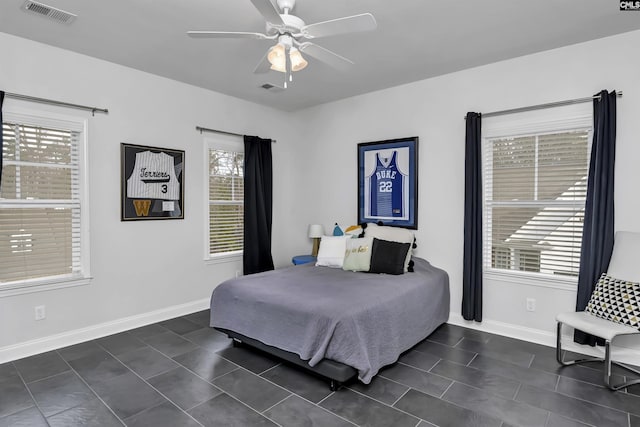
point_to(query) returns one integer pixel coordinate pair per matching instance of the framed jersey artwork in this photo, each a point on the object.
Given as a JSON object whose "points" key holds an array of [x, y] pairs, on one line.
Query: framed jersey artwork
{"points": [[388, 182], [152, 183]]}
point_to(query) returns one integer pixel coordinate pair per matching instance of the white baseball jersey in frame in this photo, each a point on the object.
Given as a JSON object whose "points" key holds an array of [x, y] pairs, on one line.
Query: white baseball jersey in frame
{"points": [[153, 177]]}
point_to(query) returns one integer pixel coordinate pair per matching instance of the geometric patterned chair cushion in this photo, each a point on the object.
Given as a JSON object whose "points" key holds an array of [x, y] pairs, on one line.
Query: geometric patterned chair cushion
{"points": [[616, 300]]}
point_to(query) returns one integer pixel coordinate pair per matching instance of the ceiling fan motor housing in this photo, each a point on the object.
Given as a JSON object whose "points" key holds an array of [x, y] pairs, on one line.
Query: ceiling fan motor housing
{"points": [[286, 4], [292, 25]]}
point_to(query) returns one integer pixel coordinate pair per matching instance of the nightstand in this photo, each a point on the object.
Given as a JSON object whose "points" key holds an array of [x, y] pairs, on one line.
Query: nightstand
{"points": [[303, 259]]}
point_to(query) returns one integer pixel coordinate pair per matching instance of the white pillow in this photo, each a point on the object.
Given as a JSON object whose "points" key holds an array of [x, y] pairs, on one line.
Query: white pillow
{"points": [[392, 234], [331, 252], [357, 256]]}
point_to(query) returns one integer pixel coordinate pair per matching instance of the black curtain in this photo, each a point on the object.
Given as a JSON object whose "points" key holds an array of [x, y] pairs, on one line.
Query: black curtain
{"points": [[1, 136], [598, 232], [258, 202], [472, 273]]}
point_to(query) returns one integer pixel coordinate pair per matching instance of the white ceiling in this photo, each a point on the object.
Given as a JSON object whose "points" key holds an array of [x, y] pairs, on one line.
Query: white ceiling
{"points": [[415, 39]]}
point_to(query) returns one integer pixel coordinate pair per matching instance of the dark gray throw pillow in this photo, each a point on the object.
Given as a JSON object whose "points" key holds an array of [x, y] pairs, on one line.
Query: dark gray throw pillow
{"points": [[388, 257]]}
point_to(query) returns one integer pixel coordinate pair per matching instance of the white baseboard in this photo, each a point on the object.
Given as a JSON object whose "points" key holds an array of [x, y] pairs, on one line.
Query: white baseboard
{"points": [[538, 336], [52, 342]]}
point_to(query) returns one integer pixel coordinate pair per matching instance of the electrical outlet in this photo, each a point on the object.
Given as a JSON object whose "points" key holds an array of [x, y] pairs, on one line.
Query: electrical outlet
{"points": [[39, 312], [531, 304]]}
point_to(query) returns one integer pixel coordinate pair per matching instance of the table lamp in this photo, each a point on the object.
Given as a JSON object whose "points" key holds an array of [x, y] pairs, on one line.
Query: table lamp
{"points": [[316, 231]]}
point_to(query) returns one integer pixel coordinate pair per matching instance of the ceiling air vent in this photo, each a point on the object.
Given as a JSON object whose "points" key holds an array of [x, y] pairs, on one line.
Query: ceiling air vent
{"points": [[272, 88], [50, 12]]}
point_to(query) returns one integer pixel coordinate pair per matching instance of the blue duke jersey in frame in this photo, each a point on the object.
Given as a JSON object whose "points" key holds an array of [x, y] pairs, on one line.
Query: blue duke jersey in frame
{"points": [[387, 188]]}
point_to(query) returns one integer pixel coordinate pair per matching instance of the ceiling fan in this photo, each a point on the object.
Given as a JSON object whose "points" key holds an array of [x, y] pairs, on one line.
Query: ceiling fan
{"points": [[291, 32]]}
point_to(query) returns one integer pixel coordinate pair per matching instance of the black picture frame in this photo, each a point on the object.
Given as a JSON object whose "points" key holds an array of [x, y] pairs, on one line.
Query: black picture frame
{"points": [[152, 183], [388, 182]]}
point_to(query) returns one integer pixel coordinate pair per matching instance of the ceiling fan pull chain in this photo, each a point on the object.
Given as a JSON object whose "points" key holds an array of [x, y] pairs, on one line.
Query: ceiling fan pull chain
{"points": [[288, 74]]}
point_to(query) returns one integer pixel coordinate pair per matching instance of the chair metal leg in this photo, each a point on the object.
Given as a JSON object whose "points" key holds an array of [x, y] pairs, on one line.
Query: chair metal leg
{"points": [[559, 357], [607, 370], [607, 362]]}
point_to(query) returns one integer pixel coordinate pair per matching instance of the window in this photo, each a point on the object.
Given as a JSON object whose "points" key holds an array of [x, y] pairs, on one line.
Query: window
{"points": [[535, 185], [226, 198], [41, 204]]}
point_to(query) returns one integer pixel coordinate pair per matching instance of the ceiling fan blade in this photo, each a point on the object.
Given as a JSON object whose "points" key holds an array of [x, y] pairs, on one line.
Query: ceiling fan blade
{"points": [[226, 35], [348, 24], [263, 66], [326, 56], [268, 10]]}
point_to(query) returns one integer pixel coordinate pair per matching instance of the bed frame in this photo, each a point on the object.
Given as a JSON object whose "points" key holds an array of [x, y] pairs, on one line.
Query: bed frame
{"points": [[337, 373]]}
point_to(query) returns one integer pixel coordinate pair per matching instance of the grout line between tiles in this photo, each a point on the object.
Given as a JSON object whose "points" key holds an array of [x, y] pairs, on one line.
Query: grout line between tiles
{"points": [[92, 391], [446, 390], [326, 397], [533, 356], [33, 399], [268, 369], [401, 396], [179, 408], [517, 391], [151, 386], [45, 378], [382, 403], [277, 403], [254, 410], [472, 359], [317, 405]]}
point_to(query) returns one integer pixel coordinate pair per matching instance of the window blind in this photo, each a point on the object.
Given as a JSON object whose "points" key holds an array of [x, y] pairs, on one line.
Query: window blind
{"points": [[39, 203], [226, 201], [535, 192]]}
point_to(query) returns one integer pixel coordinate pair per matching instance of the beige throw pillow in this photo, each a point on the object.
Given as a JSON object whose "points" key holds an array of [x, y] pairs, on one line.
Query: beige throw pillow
{"points": [[358, 254]]}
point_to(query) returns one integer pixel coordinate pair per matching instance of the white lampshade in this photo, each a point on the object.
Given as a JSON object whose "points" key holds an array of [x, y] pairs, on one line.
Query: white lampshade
{"points": [[276, 58], [316, 231], [278, 61], [297, 61]]}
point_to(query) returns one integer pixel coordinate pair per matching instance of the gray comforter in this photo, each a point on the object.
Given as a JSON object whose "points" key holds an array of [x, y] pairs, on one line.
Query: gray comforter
{"points": [[362, 320]]}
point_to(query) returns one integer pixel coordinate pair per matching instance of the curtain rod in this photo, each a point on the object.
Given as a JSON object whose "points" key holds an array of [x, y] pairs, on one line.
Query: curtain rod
{"points": [[201, 129], [59, 103], [542, 106]]}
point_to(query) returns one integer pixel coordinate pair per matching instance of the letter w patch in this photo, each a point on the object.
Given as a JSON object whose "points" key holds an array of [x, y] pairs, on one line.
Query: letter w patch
{"points": [[142, 207]]}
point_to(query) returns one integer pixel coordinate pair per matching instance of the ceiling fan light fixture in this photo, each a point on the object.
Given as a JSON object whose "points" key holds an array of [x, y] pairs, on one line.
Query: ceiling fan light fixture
{"points": [[276, 57], [297, 61]]}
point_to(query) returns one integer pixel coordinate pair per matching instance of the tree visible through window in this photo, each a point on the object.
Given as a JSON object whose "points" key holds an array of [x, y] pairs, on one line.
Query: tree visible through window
{"points": [[535, 191], [226, 201]]}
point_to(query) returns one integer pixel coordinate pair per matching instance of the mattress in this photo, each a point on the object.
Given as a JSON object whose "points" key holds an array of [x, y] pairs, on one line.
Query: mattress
{"points": [[359, 319]]}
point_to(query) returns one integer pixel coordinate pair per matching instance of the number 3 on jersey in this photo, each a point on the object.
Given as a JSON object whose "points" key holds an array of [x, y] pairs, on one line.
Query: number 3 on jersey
{"points": [[164, 188], [385, 186]]}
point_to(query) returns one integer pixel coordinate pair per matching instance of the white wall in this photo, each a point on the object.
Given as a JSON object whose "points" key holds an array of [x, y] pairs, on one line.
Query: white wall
{"points": [[433, 109], [142, 266]]}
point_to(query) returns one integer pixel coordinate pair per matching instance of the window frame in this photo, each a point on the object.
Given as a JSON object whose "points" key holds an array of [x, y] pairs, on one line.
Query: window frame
{"points": [[49, 119], [217, 142], [560, 119]]}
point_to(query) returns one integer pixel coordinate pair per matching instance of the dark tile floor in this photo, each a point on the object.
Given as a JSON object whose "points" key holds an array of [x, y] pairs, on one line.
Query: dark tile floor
{"points": [[182, 373]]}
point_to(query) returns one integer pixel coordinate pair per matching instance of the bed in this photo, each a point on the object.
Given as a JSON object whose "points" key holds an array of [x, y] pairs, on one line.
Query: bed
{"points": [[333, 322]]}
